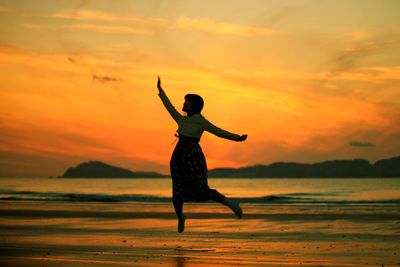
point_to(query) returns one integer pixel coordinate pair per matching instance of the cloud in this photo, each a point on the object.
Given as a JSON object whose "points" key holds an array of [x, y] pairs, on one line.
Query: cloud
{"points": [[88, 26], [208, 25], [360, 144], [40, 26], [349, 57], [349, 63], [270, 17], [375, 75], [104, 79], [83, 14], [108, 28], [148, 24], [383, 73], [72, 60], [183, 22]]}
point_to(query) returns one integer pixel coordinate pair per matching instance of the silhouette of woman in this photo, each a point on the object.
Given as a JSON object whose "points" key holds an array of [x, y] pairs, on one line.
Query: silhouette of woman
{"points": [[188, 166]]}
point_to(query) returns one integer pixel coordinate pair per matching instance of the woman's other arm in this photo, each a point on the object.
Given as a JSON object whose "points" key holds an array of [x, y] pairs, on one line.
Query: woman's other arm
{"points": [[209, 127], [168, 105]]}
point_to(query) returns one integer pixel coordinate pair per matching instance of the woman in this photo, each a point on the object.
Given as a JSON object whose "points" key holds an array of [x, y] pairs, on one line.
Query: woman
{"points": [[188, 165]]}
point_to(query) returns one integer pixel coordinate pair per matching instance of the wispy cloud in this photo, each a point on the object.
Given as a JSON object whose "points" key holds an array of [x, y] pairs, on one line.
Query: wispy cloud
{"points": [[360, 144], [349, 62], [109, 28], [384, 73], [83, 14], [374, 75], [39, 26], [208, 25], [93, 27], [103, 79], [146, 25], [91, 15]]}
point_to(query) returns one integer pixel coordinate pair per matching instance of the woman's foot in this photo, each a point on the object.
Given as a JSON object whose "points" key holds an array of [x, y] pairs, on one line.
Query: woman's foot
{"points": [[181, 224], [234, 206]]}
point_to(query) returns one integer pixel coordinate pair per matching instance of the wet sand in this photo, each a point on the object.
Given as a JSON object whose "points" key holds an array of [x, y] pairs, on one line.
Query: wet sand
{"points": [[144, 234]]}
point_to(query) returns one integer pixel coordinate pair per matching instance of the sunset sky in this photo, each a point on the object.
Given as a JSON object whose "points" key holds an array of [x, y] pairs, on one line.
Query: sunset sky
{"points": [[308, 81]]}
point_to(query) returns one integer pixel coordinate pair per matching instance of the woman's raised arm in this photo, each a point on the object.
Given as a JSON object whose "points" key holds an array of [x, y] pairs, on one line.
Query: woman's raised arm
{"points": [[168, 105]]}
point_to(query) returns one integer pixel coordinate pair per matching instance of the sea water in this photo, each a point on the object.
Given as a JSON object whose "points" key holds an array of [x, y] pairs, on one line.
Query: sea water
{"points": [[384, 191]]}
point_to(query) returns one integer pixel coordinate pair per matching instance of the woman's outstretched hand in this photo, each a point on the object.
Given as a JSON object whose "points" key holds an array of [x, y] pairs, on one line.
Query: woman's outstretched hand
{"points": [[242, 137], [159, 84]]}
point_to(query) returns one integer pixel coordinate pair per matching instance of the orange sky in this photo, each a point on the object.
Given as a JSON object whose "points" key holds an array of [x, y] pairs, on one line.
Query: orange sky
{"points": [[307, 80]]}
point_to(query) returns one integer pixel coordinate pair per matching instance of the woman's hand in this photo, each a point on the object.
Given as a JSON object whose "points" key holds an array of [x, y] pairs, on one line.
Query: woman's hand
{"points": [[159, 84], [242, 137]]}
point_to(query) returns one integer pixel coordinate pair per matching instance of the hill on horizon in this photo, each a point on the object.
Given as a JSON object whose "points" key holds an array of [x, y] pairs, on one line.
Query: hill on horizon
{"points": [[361, 168], [327, 169], [98, 169]]}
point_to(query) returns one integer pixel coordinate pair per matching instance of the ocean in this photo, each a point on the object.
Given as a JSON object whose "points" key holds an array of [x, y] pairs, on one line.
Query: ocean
{"points": [[346, 191], [131, 222]]}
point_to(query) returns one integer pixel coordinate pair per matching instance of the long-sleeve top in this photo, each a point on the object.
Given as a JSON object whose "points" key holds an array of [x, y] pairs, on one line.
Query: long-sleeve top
{"points": [[195, 125]]}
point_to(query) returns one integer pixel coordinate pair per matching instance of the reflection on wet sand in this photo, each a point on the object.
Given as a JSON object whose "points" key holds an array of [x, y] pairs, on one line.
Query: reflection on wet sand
{"points": [[180, 259]]}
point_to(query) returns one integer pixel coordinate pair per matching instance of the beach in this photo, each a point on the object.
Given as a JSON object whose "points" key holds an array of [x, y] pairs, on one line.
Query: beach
{"points": [[56, 233]]}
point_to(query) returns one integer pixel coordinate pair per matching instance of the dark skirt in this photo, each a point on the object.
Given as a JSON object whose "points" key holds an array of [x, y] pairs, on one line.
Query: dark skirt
{"points": [[189, 171]]}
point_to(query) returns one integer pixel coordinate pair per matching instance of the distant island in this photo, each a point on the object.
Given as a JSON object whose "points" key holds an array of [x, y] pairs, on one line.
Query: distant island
{"points": [[360, 168], [98, 169]]}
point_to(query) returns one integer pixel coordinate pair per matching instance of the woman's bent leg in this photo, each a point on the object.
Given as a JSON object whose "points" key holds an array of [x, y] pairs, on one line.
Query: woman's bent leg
{"points": [[232, 204], [216, 196]]}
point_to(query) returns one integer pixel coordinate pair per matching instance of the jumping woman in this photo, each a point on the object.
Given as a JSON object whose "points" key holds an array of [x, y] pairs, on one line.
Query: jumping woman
{"points": [[188, 166]]}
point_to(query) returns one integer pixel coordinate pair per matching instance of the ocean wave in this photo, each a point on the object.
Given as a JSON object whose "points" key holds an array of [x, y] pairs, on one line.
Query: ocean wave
{"points": [[292, 198], [58, 196]]}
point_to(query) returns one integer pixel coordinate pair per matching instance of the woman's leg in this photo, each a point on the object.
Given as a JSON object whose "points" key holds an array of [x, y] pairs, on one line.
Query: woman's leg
{"points": [[178, 205], [232, 204], [216, 196]]}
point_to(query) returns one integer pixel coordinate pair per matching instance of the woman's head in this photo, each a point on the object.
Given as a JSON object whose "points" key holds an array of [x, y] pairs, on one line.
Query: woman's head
{"points": [[193, 103]]}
